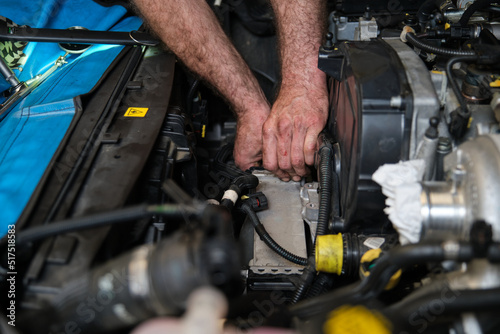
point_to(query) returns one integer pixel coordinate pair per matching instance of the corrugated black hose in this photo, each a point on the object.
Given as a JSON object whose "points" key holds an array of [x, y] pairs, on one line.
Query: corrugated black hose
{"points": [[325, 189], [417, 42], [325, 207]]}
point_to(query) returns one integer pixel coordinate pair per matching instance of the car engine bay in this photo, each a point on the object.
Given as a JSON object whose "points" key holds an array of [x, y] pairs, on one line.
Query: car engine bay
{"points": [[396, 229]]}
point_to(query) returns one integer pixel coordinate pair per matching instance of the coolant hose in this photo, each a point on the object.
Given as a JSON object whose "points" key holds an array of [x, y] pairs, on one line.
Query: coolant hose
{"points": [[387, 265], [449, 302], [268, 240], [149, 281], [417, 42], [426, 9]]}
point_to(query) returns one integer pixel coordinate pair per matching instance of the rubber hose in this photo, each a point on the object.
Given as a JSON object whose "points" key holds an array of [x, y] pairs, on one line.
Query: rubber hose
{"points": [[268, 240], [417, 42], [101, 219], [474, 7], [457, 302], [322, 284], [401, 257], [426, 10], [372, 286], [325, 186]]}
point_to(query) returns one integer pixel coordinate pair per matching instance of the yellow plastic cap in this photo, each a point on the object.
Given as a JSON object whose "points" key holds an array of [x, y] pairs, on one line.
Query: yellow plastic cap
{"points": [[357, 319], [329, 253]]}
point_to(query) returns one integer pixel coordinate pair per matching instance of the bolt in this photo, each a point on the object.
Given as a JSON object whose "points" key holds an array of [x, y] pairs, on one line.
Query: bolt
{"points": [[444, 145]]}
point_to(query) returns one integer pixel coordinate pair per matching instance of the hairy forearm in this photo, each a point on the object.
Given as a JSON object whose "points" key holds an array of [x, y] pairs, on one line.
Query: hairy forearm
{"points": [[190, 29], [301, 109], [300, 26]]}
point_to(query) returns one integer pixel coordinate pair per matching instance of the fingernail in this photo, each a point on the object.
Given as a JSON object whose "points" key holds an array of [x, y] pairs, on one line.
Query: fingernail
{"points": [[285, 179], [296, 178]]}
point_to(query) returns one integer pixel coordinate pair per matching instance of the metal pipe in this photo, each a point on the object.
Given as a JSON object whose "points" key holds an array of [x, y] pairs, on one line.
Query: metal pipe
{"points": [[29, 34], [7, 73]]}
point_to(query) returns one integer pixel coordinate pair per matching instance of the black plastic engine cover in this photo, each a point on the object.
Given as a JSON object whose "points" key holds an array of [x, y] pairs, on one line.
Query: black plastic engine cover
{"points": [[369, 128]]}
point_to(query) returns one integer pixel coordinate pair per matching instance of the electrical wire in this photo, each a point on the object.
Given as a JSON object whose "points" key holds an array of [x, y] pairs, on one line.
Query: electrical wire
{"points": [[268, 240], [463, 111]]}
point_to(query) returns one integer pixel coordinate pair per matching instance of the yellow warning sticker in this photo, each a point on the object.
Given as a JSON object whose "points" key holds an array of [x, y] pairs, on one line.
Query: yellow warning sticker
{"points": [[136, 112]]}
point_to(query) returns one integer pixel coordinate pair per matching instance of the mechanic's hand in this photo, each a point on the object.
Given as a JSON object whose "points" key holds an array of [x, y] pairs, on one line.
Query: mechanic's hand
{"points": [[248, 143], [291, 131]]}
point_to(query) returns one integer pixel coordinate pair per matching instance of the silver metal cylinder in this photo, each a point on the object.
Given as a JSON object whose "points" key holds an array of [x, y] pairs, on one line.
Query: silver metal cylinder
{"points": [[443, 211], [471, 192]]}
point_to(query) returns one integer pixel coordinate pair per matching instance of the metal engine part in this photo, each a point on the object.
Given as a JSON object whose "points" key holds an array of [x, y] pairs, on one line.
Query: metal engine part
{"points": [[283, 221], [471, 193], [382, 125]]}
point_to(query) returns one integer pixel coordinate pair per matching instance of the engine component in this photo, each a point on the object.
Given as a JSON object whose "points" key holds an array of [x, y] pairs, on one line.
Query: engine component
{"points": [[150, 281], [471, 193], [422, 102], [341, 254], [283, 221], [448, 208], [384, 124]]}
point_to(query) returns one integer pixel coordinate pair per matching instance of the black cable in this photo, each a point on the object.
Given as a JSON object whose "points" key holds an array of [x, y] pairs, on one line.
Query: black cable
{"points": [[104, 219], [325, 207], [244, 182], [223, 168], [474, 7], [464, 112], [268, 240], [417, 42]]}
